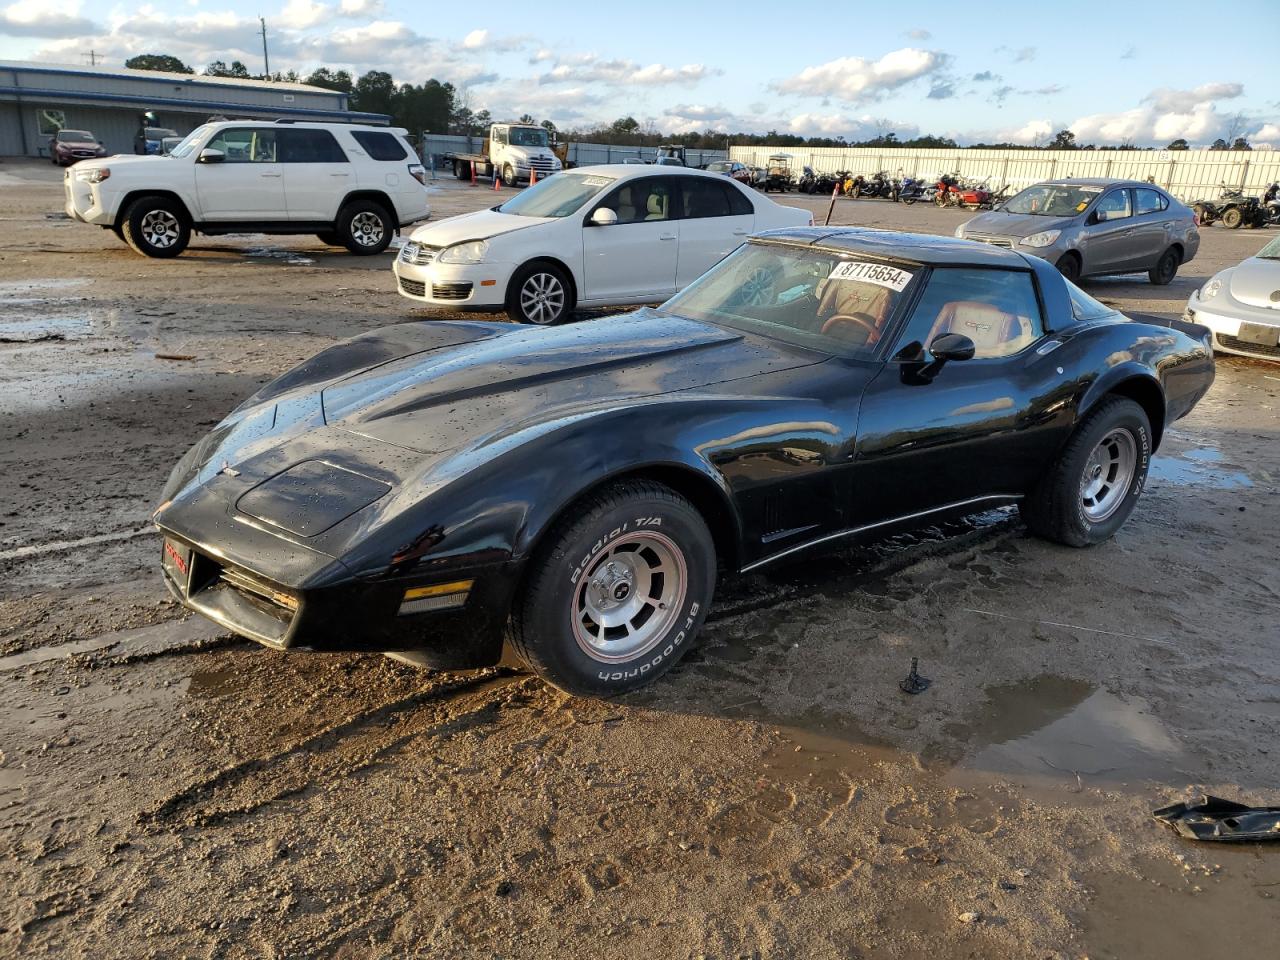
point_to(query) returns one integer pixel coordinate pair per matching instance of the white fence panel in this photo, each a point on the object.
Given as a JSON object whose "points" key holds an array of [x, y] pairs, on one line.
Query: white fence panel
{"points": [[436, 145], [1187, 174]]}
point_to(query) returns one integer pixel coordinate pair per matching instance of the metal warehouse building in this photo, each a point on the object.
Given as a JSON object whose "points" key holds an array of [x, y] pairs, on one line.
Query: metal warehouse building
{"points": [[38, 99]]}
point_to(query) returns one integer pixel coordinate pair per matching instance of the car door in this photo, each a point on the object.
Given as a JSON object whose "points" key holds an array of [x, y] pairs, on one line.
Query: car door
{"points": [[247, 184], [1152, 227], [633, 260], [1109, 245], [715, 219], [317, 173], [972, 429]]}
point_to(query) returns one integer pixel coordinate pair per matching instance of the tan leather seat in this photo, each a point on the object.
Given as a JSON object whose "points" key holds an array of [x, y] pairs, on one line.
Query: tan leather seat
{"points": [[845, 298], [994, 333], [657, 206]]}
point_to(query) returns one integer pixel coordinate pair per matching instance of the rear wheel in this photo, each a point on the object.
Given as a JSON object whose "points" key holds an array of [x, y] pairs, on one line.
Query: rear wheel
{"points": [[1069, 266], [1166, 268], [364, 228], [540, 294], [156, 227], [618, 592], [1232, 218], [1093, 486]]}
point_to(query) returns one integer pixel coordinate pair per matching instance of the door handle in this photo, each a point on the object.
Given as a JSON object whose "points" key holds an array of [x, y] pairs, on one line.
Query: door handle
{"points": [[339, 174], [741, 233], [274, 176], [667, 236]]}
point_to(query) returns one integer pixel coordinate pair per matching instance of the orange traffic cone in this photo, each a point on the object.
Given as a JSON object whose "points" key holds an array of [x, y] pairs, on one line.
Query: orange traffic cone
{"points": [[497, 180], [473, 173], [533, 176]]}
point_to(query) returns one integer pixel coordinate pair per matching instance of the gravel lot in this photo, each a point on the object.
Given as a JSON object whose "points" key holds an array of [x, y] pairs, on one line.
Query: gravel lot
{"points": [[167, 790]]}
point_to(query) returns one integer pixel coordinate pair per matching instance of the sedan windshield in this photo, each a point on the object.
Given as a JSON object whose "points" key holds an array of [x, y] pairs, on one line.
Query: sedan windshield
{"points": [[1271, 251], [1052, 200], [159, 133], [557, 196], [75, 136], [835, 302], [720, 166]]}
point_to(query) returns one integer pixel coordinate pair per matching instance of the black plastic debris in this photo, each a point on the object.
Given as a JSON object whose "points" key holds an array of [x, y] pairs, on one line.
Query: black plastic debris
{"points": [[1225, 820], [913, 682]]}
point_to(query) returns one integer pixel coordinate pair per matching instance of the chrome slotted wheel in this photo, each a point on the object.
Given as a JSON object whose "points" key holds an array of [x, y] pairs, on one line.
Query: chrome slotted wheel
{"points": [[542, 298], [160, 229], [630, 596], [1108, 474], [367, 229]]}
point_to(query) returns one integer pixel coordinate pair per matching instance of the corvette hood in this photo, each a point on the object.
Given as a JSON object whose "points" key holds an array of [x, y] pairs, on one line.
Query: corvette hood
{"points": [[1257, 283], [474, 393], [480, 225]]}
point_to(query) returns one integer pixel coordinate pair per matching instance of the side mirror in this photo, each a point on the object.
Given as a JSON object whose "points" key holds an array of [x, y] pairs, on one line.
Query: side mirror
{"points": [[211, 156], [604, 217], [951, 346], [1098, 216]]}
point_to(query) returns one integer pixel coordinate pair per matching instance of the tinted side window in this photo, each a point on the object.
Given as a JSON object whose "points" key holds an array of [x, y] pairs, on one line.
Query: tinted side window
{"points": [[739, 202], [639, 200], [1150, 202], [245, 145], [703, 198], [309, 146], [996, 309], [1114, 206], [380, 146]]}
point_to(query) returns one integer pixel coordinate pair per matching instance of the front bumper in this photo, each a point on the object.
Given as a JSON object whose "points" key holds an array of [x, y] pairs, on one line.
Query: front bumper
{"points": [[471, 286], [1225, 319], [353, 615], [85, 201]]}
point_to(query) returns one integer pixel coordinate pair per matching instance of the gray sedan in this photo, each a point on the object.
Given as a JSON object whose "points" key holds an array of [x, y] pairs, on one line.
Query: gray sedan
{"points": [[1094, 227]]}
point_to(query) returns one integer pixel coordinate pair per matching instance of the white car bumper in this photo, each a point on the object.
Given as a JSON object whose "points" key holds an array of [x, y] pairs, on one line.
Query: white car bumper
{"points": [[84, 201], [461, 286], [1248, 331]]}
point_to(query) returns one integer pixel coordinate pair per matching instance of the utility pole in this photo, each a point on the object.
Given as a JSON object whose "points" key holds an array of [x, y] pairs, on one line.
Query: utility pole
{"points": [[93, 58], [266, 61]]}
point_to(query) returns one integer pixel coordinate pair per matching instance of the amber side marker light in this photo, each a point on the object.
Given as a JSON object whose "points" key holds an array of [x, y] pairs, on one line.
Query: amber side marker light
{"points": [[438, 596]]}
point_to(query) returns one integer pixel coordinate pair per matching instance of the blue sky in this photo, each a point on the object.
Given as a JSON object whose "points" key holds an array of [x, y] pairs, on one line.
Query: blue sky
{"points": [[1112, 72]]}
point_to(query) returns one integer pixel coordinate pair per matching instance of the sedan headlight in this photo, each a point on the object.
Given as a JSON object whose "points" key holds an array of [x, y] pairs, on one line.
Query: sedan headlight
{"points": [[97, 175], [1210, 289], [472, 251], [1042, 239]]}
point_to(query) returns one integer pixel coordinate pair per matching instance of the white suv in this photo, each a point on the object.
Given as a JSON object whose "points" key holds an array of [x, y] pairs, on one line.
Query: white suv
{"points": [[350, 185]]}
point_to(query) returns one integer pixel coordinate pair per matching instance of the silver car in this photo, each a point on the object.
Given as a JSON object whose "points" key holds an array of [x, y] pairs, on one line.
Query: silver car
{"points": [[1094, 227], [1241, 305]]}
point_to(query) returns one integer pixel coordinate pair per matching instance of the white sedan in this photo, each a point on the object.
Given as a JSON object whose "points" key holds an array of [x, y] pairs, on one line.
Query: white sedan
{"points": [[592, 237], [1241, 305]]}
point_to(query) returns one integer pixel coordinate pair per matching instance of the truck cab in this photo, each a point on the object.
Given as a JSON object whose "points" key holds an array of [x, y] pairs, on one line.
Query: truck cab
{"points": [[517, 150]]}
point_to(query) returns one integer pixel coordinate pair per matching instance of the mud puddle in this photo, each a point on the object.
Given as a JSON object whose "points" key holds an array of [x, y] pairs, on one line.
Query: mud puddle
{"points": [[35, 311], [1201, 466], [168, 637]]}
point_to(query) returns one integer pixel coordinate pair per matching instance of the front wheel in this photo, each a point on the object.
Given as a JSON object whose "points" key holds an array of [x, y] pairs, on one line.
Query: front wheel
{"points": [[508, 176], [539, 294], [1093, 486], [1069, 266], [617, 594], [156, 227], [364, 228], [1232, 218]]}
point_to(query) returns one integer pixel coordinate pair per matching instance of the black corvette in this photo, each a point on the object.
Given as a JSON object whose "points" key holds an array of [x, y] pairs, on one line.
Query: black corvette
{"points": [[425, 489]]}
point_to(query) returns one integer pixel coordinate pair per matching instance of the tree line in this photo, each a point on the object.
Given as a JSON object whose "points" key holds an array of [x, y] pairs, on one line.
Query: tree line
{"points": [[435, 107]]}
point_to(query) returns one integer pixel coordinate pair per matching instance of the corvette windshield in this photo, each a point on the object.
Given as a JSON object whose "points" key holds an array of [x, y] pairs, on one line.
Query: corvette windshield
{"points": [[835, 302], [557, 196]]}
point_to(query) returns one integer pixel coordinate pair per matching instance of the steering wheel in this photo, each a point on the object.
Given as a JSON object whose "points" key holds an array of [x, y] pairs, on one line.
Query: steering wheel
{"points": [[863, 321]]}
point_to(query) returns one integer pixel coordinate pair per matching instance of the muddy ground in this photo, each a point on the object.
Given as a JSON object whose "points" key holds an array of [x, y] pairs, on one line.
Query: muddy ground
{"points": [[167, 790]]}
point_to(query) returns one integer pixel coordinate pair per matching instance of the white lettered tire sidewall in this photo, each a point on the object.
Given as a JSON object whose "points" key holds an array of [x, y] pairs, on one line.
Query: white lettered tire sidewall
{"points": [[545, 636], [1127, 415]]}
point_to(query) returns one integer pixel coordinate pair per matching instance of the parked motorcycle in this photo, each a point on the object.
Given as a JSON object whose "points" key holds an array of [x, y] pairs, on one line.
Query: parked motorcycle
{"points": [[947, 191], [975, 196], [808, 181], [912, 189], [1271, 204]]}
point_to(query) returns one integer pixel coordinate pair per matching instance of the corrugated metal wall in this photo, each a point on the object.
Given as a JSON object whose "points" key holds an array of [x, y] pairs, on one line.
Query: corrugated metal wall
{"points": [[1187, 174], [581, 154]]}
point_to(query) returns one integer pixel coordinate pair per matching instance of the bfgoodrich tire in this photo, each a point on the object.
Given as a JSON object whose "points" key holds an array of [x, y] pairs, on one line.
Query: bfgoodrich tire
{"points": [[1093, 486], [364, 227], [156, 227], [617, 594]]}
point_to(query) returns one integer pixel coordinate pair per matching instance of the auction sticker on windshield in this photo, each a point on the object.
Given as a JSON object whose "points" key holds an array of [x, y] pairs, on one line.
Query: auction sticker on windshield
{"points": [[880, 274], [597, 181]]}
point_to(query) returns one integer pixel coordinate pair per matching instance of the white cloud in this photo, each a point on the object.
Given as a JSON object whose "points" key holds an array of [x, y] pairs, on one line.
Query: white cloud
{"points": [[1183, 101], [300, 14], [589, 68], [1266, 137], [360, 8], [475, 39], [32, 18], [1162, 116], [855, 79]]}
